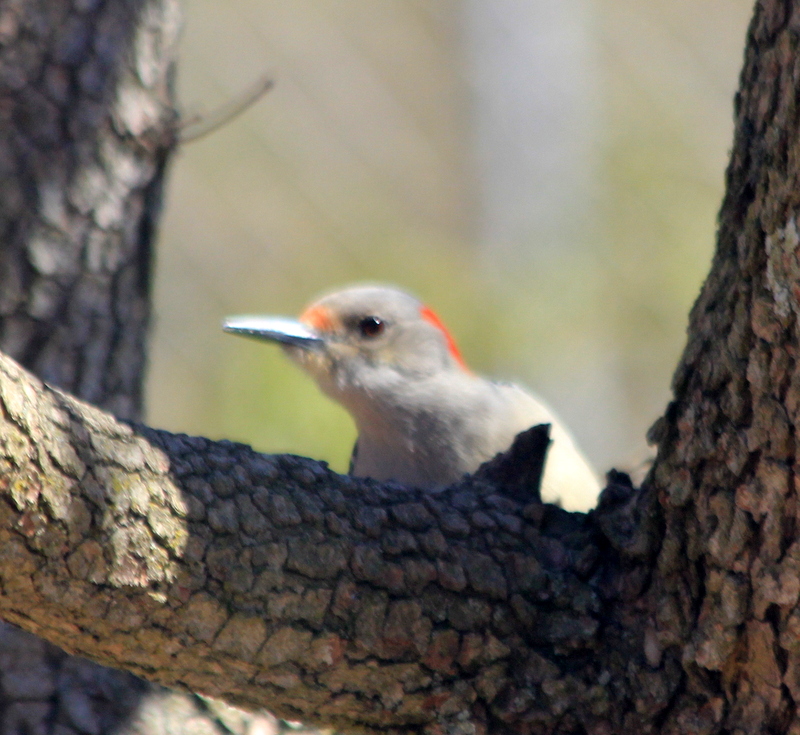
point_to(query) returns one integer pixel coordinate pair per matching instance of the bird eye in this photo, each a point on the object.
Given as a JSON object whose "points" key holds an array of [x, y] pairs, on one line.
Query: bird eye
{"points": [[371, 326]]}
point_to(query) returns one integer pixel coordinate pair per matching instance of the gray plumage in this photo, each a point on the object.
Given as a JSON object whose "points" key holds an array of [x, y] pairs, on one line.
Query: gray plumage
{"points": [[423, 418]]}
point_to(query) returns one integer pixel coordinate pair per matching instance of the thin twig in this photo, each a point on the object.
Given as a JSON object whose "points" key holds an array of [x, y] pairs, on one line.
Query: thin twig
{"points": [[200, 125]]}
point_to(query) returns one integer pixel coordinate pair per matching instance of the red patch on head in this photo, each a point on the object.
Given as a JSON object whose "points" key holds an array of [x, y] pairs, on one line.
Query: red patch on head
{"points": [[318, 318], [430, 316]]}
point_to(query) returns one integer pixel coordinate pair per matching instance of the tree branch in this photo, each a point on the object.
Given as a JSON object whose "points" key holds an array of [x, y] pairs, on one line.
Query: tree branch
{"points": [[272, 582]]}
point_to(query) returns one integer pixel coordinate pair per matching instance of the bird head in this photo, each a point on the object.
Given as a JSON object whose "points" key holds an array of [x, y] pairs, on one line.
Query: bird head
{"points": [[352, 339]]}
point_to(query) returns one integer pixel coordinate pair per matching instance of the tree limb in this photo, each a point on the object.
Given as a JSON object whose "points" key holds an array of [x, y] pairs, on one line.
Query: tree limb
{"points": [[273, 582]]}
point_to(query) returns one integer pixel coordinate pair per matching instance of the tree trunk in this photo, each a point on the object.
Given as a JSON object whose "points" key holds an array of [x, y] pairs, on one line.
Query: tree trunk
{"points": [[726, 584], [273, 582], [88, 120]]}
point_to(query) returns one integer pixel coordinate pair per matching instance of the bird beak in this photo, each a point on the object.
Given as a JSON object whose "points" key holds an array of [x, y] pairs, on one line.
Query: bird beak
{"points": [[274, 329]]}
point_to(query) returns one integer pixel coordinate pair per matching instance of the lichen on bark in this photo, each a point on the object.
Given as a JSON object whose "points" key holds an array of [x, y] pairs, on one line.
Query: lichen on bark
{"points": [[273, 582]]}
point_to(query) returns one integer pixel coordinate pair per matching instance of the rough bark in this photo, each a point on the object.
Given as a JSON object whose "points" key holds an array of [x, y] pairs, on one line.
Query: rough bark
{"points": [[725, 593], [86, 124], [273, 582]]}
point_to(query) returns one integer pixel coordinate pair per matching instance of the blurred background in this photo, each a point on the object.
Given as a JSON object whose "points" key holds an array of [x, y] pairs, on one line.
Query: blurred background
{"points": [[544, 173]]}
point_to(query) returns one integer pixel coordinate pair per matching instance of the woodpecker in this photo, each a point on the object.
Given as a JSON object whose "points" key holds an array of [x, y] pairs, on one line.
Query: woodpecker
{"points": [[423, 418]]}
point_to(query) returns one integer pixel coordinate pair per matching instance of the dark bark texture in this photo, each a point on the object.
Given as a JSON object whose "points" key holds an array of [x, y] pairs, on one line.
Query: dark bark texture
{"points": [[86, 123], [273, 582], [725, 589]]}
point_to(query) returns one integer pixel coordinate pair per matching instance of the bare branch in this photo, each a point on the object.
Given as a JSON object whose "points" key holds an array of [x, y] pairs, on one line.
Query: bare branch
{"points": [[199, 126], [272, 582]]}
